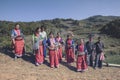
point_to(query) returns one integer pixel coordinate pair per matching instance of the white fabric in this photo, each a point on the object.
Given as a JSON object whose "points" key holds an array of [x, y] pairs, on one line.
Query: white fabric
{"points": [[43, 34]]}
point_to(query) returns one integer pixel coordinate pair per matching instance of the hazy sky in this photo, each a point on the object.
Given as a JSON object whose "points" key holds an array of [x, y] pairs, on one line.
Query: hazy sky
{"points": [[35, 10]]}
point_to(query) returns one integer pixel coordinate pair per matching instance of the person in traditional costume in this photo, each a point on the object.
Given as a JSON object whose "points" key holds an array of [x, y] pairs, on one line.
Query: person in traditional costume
{"points": [[17, 41], [59, 40], [81, 61], [69, 48], [38, 47], [53, 51], [99, 46]]}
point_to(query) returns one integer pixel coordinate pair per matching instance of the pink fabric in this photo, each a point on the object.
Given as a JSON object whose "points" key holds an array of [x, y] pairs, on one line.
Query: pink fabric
{"points": [[52, 41], [81, 59], [17, 31], [81, 63], [53, 57], [102, 56], [81, 48], [60, 53], [39, 55], [60, 49], [69, 43], [69, 52], [53, 54], [58, 39], [19, 45]]}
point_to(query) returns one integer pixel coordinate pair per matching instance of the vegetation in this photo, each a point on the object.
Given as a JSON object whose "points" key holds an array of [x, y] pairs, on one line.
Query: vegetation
{"points": [[112, 28]]}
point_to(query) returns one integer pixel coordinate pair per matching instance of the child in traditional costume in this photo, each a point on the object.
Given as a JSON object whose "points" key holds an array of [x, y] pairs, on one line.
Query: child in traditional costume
{"points": [[60, 48], [53, 51], [81, 59]]}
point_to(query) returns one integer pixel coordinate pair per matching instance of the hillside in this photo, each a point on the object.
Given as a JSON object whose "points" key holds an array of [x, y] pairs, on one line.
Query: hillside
{"points": [[112, 28], [96, 22]]}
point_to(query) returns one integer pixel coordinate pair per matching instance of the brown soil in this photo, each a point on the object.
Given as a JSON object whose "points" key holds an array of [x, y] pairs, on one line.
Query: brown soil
{"points": [[24, 69]]}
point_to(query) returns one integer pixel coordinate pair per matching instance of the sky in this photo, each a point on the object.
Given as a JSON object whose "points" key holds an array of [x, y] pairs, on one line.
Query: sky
{"points": [[36, 10]]}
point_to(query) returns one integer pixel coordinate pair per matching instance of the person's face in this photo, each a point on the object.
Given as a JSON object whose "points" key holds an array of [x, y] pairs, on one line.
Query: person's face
{"points": [[38, 30], [81, 41], [51, 36], [69, 37], [99, 39], [58, 34], [90, 39], [42, 29], [17, 26]]}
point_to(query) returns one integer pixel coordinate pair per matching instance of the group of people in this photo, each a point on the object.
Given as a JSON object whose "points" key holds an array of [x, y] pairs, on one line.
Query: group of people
{"points": [[85, 54]]}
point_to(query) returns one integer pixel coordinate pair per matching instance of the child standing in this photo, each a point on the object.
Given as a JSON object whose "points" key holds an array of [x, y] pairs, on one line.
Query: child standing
{"points": [[59, 41], [81, 61]]}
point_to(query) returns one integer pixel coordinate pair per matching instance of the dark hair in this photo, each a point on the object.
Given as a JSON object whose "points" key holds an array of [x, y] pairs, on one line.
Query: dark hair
{"points": [[58, 33], [42, 27], [16, 24], [68, 35], [37, 29], [51, 33], [99, 37]]}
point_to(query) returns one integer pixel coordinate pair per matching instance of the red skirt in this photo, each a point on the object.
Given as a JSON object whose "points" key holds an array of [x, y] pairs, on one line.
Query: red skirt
{"points": [[53, 57], [19, 47], [39, 55], [70, 55], [81, 62]]}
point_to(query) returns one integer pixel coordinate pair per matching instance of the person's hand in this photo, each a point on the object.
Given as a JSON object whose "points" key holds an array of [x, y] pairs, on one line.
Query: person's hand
{"points": [[13, 42]]}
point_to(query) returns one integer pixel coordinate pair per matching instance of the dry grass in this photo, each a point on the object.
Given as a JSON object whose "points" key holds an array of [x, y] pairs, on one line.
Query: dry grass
{"points": [[24, 69]]}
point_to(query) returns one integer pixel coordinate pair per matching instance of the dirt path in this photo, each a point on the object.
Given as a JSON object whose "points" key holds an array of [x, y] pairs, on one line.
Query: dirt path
{"points": [[24, 69]]}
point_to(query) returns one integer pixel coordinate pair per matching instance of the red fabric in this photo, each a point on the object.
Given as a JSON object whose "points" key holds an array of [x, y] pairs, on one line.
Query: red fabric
{"points": [[60, 53], [70, 56], [81, 48], [39, 55], [81, 59], [69, 52], [60, 49], [69, 43], [81, 63], [19, 45], [17, 32], [58, 39], [53, 57]]}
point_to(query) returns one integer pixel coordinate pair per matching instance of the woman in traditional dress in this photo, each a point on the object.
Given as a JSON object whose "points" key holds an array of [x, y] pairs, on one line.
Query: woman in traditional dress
{"points": [[69, 48], [53, 51], [38, 47], [17, 41]]}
